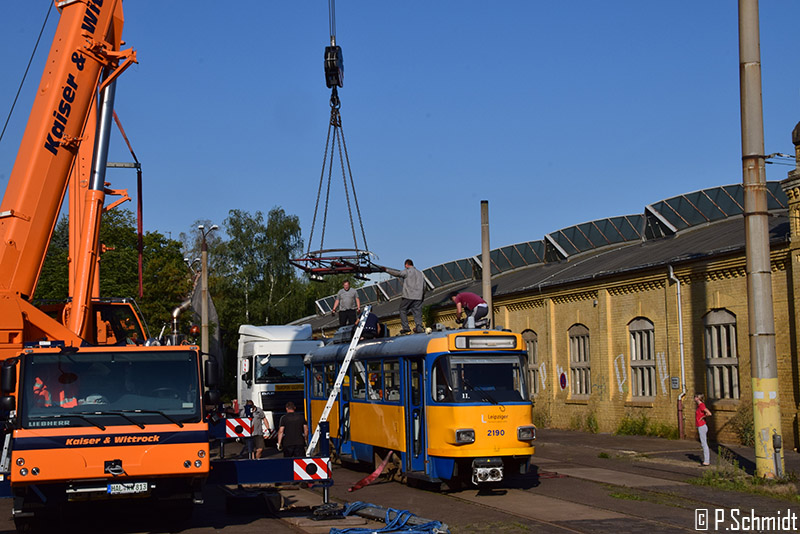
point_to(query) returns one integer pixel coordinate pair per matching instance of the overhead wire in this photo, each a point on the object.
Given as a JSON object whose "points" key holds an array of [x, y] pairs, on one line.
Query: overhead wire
{"points": [[784, 163], [780, 159], [25, 75]]}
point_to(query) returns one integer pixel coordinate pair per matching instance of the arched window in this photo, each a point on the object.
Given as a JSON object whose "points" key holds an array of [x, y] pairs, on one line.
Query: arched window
{"points": [[579, 361], [643, 358], [532, 343], [722, 358]]}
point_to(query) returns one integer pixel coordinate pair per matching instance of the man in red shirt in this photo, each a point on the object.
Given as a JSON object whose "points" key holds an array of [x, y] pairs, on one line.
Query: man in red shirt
{"points": [[471, 304]]}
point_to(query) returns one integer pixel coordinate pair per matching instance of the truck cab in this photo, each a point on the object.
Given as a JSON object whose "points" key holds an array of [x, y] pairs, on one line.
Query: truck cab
{"points": [[270, 366]]}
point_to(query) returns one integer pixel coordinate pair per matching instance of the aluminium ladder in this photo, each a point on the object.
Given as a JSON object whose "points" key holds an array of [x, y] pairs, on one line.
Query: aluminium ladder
{"points": [[337, 385]]}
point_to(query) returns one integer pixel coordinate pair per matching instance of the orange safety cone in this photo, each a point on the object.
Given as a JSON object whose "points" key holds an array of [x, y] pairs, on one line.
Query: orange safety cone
{"points": [[369, 479]]}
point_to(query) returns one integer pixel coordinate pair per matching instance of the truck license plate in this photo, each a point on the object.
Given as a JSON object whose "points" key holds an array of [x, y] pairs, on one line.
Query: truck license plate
{"points": [[128, 488]]}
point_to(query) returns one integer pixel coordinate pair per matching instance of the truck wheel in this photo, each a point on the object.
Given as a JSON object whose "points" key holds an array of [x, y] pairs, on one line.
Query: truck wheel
{"points": [[34, 524], [24, 524]]}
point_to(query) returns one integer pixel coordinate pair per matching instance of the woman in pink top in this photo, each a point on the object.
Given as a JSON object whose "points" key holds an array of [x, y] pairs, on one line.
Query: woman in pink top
{"points": [[702, 428]]}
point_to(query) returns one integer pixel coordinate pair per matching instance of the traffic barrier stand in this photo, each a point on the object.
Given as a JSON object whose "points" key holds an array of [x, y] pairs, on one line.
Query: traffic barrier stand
{"points": [[239, 427], [312, 469]]}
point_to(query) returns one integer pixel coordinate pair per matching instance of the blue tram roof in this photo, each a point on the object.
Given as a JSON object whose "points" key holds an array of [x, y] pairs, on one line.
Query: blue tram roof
{"points": [[389, 346], [376, 348]]}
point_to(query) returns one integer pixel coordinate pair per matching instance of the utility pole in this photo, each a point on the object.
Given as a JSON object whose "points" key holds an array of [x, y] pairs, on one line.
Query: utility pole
{"points": [[486, 260], [763, 359], [204, 287]]}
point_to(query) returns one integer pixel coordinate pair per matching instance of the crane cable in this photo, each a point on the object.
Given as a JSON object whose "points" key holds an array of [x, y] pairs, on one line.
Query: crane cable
{"points": [[334, 73], [332, 20], [338, 141]]}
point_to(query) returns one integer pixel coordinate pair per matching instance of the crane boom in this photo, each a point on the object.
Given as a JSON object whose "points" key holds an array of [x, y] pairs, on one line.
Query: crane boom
{"points": [[86, 43], [87, 40]]}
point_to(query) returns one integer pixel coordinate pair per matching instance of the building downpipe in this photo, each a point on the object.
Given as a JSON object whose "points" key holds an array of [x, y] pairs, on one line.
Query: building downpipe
{"points": [[681, 431]]}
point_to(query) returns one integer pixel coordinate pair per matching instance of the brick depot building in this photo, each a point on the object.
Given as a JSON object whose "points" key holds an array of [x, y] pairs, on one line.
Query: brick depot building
{"points": [[618, 314]]}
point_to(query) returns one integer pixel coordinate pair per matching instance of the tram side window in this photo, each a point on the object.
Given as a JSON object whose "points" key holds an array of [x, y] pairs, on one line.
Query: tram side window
{"points": [[359, 383], [391, 377], [375, 388], [442, 391], [318, 388], [416, 390], [330, 377]]}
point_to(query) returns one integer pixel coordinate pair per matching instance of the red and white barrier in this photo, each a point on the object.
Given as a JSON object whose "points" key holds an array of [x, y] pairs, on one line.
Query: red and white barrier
{"points": [[241, 427], [312, 469]]}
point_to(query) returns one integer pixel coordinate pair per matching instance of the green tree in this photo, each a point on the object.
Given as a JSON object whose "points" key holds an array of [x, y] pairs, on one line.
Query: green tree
{"points": [[119, 264], [53, 281], [258, 253], [251, 279], [166, 280]]}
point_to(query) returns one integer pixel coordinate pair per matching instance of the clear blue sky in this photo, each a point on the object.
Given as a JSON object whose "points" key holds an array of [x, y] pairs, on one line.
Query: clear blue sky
{"points": [[558, 113]]}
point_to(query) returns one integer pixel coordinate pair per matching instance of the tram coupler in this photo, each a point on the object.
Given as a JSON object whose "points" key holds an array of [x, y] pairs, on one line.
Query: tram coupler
{"points": [[487, 470]]}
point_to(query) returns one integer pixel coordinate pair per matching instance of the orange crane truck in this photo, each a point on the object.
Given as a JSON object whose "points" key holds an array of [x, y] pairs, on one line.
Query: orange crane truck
{"points": [[83, 418]]}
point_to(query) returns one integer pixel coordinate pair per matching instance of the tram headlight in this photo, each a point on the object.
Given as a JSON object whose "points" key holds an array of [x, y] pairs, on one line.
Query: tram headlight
{"points": [[526, 433], [465, 435]]}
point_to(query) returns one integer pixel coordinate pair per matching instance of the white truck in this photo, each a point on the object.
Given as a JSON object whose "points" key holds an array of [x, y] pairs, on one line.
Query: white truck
{"points": [[270, 367]]}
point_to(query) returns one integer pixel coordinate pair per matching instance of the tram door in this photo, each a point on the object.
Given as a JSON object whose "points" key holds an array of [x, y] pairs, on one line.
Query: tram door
{"points": [[415, 414]]}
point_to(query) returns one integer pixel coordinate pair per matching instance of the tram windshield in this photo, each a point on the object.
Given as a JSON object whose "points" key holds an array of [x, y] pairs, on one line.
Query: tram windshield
{"points": [[283, 368], [479, 378]]}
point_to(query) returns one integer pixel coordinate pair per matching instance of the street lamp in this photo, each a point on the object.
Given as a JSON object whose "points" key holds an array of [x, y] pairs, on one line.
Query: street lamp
{"points": [[204, 286], [190, 264]]}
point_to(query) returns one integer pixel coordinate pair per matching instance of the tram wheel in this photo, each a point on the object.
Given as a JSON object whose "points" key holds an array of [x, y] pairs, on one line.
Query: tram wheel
{"points": [[456, 483], [394, 470]]}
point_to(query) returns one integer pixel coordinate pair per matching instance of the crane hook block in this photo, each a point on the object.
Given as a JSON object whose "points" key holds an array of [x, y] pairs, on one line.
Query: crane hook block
{"points": [[334, 66]]}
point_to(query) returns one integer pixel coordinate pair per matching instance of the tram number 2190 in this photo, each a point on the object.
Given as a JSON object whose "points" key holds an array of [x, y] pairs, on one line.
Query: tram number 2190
{"points": [[496, 433]]}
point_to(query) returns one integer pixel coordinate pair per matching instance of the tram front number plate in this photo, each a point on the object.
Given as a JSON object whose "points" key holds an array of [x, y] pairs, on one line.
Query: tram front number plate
{"points": [[129, 488]]}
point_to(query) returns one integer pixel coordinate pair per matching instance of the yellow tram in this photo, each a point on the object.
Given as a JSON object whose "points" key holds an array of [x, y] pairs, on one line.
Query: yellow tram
{"points": [[453, 405]]}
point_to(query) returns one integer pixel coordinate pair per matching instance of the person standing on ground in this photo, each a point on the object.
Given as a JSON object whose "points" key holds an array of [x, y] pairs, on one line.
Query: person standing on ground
{"points": [[348, 303], [292, 433], [413, 290], [247, 411], [471, 304], [259, 421], [702, 428]]}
